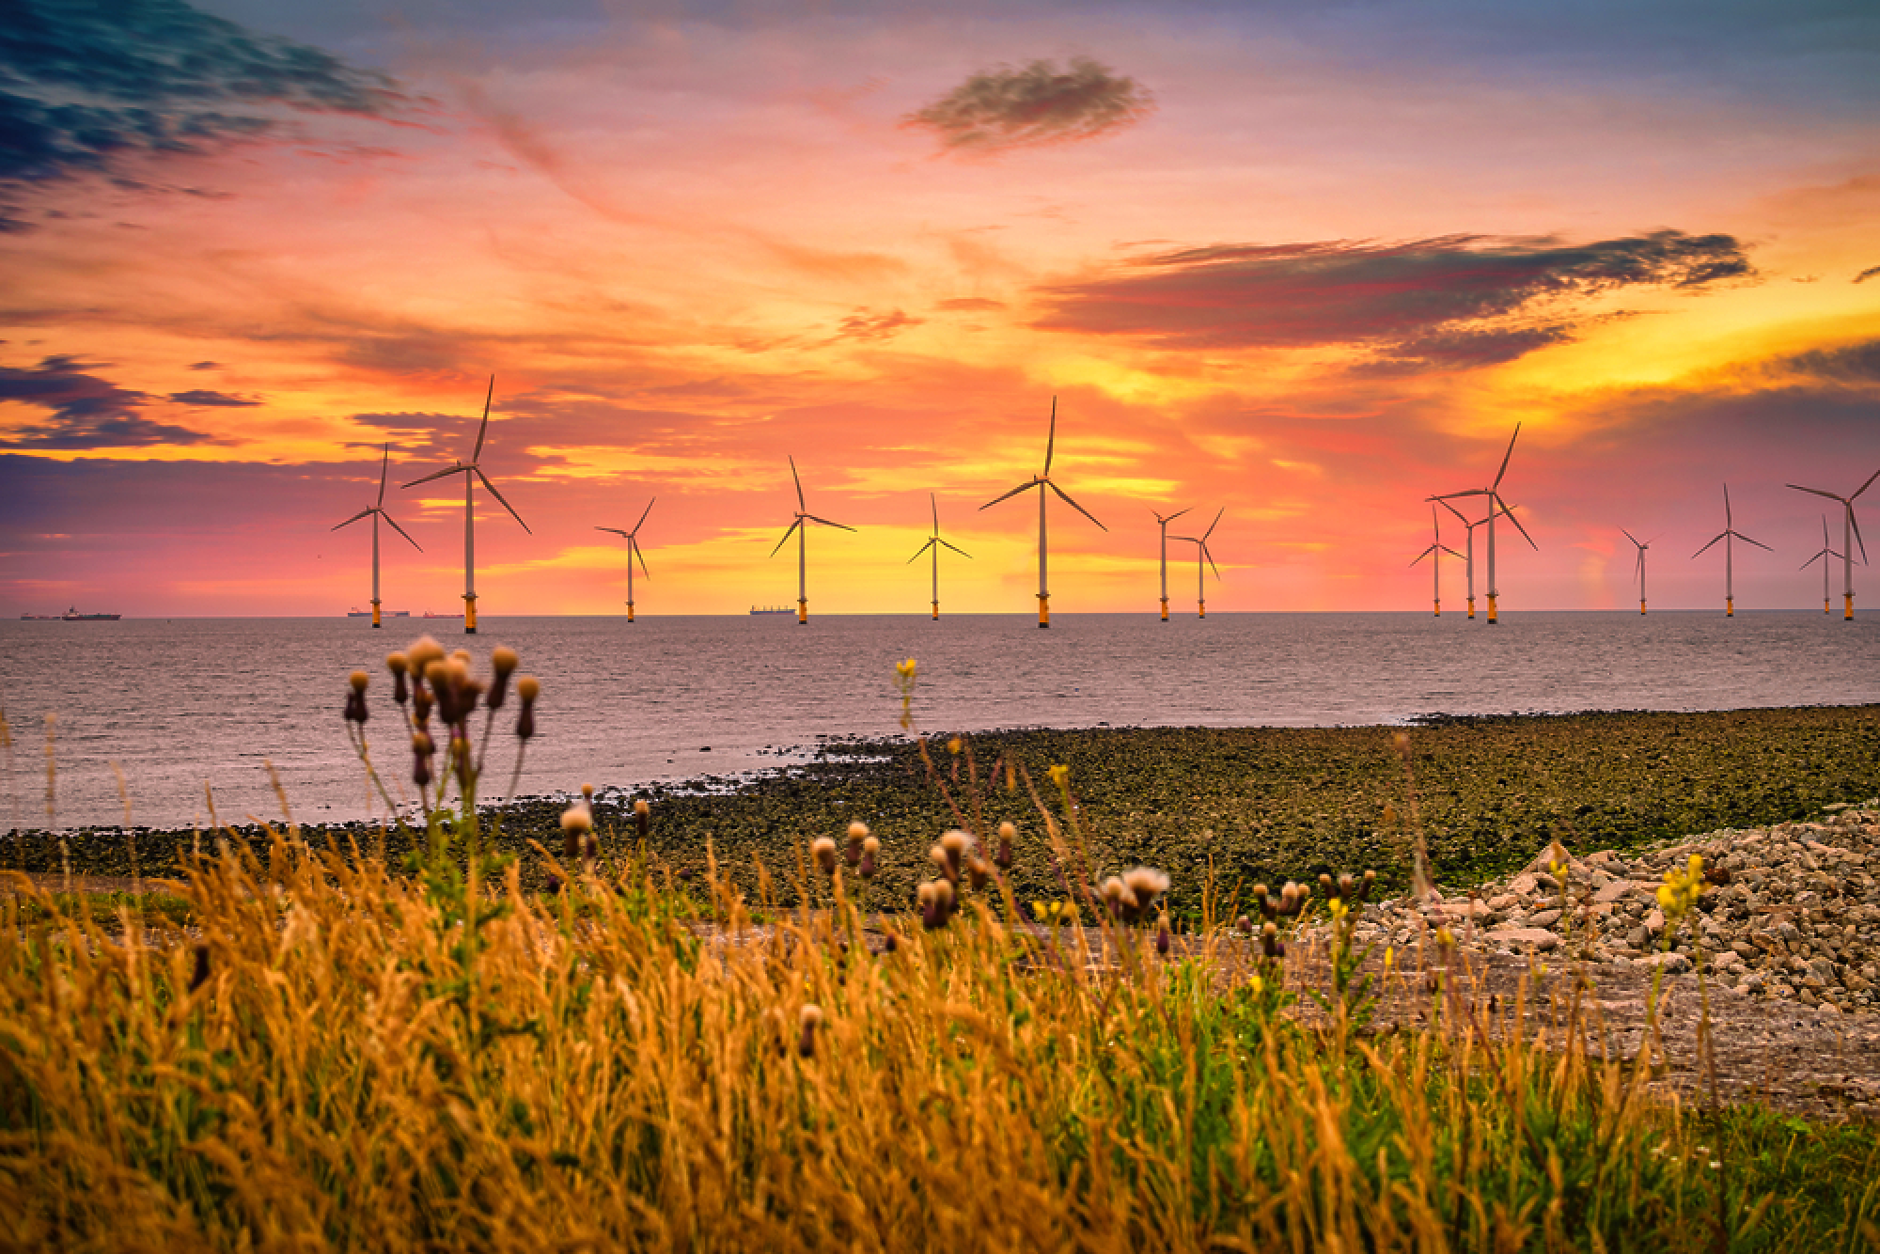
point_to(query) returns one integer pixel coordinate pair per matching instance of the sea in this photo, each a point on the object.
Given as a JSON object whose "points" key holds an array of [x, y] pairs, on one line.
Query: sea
{"points": [[193, 712]]}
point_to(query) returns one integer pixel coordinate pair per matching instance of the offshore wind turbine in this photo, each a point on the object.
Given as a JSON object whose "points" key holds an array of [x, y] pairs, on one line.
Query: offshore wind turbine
{"points": [[633, 551], [935, 543], [472, 471], [1826, 555], [1041, 482], [1495, 505], [1435, 554], [1728, 534], [1469, 546], [376, 512], [1163, 523], [1639, 574], [1202, 555], [1850, 535], [801, 527]]}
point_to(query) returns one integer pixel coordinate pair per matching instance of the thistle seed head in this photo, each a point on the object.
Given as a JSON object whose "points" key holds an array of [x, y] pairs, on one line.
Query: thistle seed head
{"points": [[358, 680], [978, 871], [808, 1019], [528, 688], [823, 851], [503, 660]]}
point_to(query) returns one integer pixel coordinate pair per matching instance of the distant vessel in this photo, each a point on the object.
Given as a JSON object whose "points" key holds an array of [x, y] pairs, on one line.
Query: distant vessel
{"points": [[383, 613], [72, 616], [783, 609], [429, 614]]}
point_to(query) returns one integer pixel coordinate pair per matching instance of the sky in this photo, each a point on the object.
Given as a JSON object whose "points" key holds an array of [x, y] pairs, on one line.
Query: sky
{"points": [[1304, 263]]}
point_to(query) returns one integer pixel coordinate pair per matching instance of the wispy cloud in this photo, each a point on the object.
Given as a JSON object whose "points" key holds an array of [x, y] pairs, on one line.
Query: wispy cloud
{"points": [[1866, 274], [202, 396], [87, 411], [1453, 301], [1033, 106]]}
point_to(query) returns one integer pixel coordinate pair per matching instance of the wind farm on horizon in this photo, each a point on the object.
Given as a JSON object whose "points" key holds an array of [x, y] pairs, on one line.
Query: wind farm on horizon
{"points": [[1493, 506]]}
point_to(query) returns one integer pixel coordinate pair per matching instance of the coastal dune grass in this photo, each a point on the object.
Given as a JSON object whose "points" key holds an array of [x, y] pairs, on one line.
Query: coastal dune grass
{"points": [[333, 1056]]}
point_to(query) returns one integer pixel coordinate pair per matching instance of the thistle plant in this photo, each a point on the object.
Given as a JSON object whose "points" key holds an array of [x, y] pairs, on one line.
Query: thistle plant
{"points": [[1351, 990]]}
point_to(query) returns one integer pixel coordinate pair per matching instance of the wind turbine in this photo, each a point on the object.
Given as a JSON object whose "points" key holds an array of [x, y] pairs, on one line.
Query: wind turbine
{"points": [[633, 551], [803, 516], [1164, 522], [472, 471], [1202, 555], [1826, 554], [1726, 535], [1492, 492], [1640, 572], [1850, 535], [1041, 482], [935, 543], [376, 512], [1468, 545], [1435, 554]]}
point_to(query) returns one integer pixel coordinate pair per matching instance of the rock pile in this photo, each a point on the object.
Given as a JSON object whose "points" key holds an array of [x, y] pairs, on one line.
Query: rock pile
{"points": [[1790, 911]]}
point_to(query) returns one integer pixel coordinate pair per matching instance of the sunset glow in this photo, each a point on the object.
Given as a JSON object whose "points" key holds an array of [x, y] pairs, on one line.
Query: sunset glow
{"points": [[1308, 263]]}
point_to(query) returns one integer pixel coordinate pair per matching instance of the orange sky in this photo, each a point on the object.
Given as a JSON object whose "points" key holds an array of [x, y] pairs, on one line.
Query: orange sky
{"points": [[1308, 264]]}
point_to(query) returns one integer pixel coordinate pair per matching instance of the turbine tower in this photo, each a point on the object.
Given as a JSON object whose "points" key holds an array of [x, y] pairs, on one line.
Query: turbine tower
{"points": [[935, 543], [1163, 523], [1640, 572], [1435, 554], [1728, 534], [633, 551], [800, 526], [1825, 557], [472, 471], [1469, 547], [1041, 482], [1202, 555], [1850, 535], [1495, 505], [376, 512]]}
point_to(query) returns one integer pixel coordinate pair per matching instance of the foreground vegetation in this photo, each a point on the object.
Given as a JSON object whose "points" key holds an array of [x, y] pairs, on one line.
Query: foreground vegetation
{"points": [[339, 1058]]}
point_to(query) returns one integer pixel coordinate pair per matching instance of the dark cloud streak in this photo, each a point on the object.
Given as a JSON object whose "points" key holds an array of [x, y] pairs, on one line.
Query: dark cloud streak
{"points": [[1033, 106], [88, 411]]}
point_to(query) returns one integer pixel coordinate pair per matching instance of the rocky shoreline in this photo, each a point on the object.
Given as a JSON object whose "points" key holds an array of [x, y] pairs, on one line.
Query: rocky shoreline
{"points": [[1789, 912]]}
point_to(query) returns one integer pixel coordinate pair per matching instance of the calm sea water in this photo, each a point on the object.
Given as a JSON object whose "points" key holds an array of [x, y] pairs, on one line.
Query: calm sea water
{"points": [[185, 702]]}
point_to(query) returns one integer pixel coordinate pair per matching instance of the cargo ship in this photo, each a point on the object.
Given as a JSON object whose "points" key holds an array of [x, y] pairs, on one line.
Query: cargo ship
{"points": [[72, 616], [429, 614], [382, 613], [772, 610]]}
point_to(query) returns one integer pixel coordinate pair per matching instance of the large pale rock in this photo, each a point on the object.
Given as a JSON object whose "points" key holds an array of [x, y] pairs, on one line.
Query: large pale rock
{"points": [[1538, 938]]}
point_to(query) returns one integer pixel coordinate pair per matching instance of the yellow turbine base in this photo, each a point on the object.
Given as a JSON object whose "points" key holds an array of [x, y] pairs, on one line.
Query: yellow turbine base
{"points": [[1729, 607], [1641, 605], [1827, 607], [1849, 616], [375, 614], [1201, 609], [1471, 607], [802, 611], [629, 611], [1439, 609], [1044, 610], [936, 611], [1491, 609], [1165, 609], [469, 615]]}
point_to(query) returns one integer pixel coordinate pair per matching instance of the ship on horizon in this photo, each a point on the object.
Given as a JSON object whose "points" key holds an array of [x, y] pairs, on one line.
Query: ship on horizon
{"points": [[71, 616], [383, 613], [781, 609]]}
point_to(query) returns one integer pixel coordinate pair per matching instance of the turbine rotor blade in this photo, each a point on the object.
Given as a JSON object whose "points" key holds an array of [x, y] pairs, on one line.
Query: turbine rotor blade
{"points": [[801, 504], [1450, 551], [1509, 514], [1073, 504], [484, 429], [400, 530], [933, 501], [1758, 543], [1014, 492], [364, 513], [1425, 553], [1818, 492], [825, 522], [633, 551], [933, 540], [1447, 497], [1713, 540], [786, 536], [1452, 509], [616, 531], [1727, 522], [956, 548], [643, 514], [385, 468], [1051, 440], [499, 496], [1506, 456], [1866, 485], [1217, 522], [1853, 520], [1210, 557], [1628, 535], [449, 470], [1811, 561]]}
